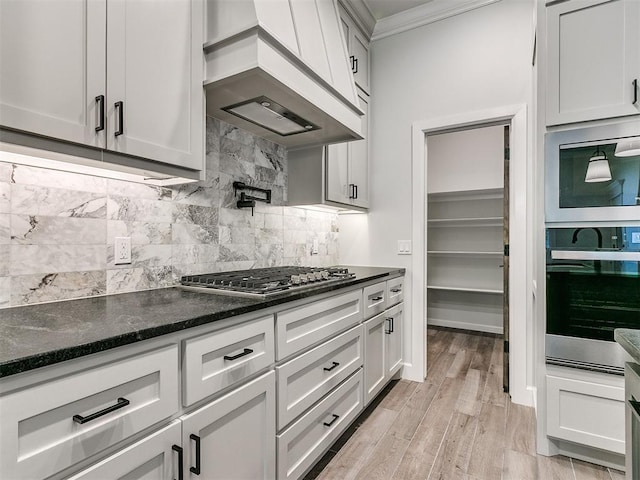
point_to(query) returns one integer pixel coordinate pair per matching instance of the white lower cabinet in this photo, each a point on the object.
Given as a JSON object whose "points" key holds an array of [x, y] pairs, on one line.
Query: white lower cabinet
{"points": [[382, 350], [586, 408], [155, 457], [51, 426], [233, 437], [301, 445]]}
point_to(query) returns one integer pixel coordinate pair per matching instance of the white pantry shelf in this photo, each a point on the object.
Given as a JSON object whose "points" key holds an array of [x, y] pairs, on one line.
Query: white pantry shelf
{"points": [[466, 222], [493, 291], [462, 253]]}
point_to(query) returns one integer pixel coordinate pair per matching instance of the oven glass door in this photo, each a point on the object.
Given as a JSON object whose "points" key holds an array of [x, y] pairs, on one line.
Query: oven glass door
{"points": [[593, 281]]}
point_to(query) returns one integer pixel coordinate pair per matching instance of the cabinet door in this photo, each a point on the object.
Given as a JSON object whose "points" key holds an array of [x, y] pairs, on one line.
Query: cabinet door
{"points": [[337, 169], [374, 356], [594, 59], [154, 68], [233, 436], [359, 159], [393, 339], [153, 458], [359, 48], [52, 67]]}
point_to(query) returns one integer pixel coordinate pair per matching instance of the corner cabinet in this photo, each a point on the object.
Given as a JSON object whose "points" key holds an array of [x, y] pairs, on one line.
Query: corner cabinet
{"points": [[593, 49], [125, 76], [358, 49]]}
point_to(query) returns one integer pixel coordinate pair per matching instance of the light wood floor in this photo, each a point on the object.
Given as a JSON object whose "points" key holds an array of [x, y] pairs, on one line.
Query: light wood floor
{"points": [[457, 425]]}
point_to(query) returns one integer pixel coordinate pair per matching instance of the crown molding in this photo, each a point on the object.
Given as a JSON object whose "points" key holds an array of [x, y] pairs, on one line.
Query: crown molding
{"points": [[423, 15], [360, 14]]}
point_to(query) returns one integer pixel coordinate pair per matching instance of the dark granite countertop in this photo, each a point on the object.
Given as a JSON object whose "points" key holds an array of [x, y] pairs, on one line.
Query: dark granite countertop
{"points": [[34, 336], [629, 339]]}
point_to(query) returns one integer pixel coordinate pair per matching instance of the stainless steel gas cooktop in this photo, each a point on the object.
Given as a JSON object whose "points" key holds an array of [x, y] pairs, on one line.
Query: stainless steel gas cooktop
{"points": [[265, 282]]}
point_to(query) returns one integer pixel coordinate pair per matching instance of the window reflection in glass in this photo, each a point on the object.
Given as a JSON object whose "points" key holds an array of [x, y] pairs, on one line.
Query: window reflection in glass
{"points": [[622, 190]]}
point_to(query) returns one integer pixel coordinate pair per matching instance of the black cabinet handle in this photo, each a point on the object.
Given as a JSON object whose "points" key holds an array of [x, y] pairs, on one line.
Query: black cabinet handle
{"points": [[635, 91], [355, 65], [122, 402], [178, 449], [246, 351], [396, 290], [352, 191], [120, 108], [355, 191], [100, 113], [196, 469], [390, 331], [376, 299], [335, 417], [335, 364]]}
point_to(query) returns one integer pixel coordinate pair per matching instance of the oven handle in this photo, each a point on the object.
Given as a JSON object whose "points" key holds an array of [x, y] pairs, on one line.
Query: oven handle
{"points": [[635, 408], [595, 255]]}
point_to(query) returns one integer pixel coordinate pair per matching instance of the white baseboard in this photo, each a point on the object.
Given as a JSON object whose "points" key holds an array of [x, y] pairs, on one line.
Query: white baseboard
{"points": [[464, 325]]}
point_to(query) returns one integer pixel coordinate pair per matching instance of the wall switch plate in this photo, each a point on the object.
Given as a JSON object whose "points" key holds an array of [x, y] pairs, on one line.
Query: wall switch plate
{"points": [[404, 247], [122, 250], [314, 247]]}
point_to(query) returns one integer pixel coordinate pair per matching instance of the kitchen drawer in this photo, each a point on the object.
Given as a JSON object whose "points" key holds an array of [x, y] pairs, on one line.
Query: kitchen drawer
{"points": [[311, 323], [152, 458], [374, 299], [307, 378], [586, 412], [42, 429], [300, 446], [220, 359], [395, 291]]}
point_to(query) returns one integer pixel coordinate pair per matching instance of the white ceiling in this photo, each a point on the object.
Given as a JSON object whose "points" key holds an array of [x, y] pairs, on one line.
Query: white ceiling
{"points": [[385, 8]]}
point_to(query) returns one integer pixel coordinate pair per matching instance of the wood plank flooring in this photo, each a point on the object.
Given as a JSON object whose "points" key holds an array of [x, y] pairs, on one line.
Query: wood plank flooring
{"points": [[457, 425]]}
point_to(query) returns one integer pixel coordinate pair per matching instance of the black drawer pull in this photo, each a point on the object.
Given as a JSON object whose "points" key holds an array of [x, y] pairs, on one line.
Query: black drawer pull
{"points": [[335, 417], [335, 364], [352, 191], [196, 469], [120, 108], [376, 299], [396, 290], [178, 449], [246, 351], [635, 91], [122, 402], [100, 113]]}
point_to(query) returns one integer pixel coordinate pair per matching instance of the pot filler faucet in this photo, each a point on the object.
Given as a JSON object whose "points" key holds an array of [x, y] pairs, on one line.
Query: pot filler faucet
{"points": [[597, 266]]}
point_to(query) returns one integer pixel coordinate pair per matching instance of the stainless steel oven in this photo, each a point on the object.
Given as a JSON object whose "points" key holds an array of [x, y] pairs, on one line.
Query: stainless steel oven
{"points": [[593, 287]]}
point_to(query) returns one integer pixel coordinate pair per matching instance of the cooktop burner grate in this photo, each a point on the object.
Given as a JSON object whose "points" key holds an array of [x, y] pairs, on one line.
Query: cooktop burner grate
{"points": [[265, 281]]}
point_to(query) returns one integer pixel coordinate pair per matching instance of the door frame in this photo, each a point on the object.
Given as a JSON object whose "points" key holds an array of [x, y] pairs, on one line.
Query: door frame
{"points": [[521, 341]]}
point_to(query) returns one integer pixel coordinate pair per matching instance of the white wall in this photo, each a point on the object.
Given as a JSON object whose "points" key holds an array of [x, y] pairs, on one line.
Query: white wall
{"points": [[480, 60]]}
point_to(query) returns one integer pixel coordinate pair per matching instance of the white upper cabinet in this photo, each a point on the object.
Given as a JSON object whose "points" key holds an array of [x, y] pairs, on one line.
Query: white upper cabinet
{"points": [[593, 60], [358, 47], [348, 167], [52, 68], [122, 75], [154, 80]]}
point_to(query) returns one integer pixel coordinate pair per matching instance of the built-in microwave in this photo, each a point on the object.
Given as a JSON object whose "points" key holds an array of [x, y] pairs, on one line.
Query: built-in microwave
{"points": [[593, 174]]}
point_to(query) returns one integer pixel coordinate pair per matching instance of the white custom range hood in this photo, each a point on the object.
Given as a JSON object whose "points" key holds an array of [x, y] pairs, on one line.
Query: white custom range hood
{"points": [[280, 69]]}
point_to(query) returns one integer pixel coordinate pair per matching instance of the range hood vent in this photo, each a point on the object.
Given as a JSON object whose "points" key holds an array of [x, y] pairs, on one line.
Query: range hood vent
{"points": [[271, 115], [291, 55]]}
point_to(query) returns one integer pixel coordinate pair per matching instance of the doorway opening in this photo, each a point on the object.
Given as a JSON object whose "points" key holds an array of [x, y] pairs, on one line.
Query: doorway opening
{"points": [[467, 233]]}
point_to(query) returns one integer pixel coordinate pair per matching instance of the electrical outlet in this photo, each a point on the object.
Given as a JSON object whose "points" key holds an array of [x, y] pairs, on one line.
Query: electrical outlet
{"points": [[122, 250]]}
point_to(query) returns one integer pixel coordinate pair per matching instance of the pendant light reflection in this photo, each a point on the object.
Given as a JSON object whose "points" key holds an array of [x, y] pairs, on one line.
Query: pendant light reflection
{"points": [[628, 147], [598, 169]]}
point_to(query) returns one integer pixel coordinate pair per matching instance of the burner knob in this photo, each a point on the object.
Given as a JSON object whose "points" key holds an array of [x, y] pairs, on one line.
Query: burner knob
{"points": [[295, 279], [318, 275], [304, 278], [324, 274]]}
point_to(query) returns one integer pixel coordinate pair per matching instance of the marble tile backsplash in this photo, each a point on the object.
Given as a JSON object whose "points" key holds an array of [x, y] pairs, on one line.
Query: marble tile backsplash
{"points": [[57, 229]]}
